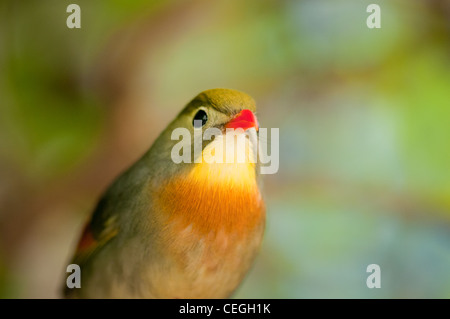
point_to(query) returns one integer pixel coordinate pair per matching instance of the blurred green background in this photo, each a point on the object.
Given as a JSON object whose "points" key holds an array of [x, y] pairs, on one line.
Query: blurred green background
{"points": [[364, 118]]}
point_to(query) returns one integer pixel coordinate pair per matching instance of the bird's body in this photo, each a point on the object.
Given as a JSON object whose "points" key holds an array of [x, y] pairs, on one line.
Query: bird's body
{"points": [[167, 230]]}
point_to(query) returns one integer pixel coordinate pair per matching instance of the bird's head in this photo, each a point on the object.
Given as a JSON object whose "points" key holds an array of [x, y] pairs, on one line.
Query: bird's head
{"points": [[219, 109]]}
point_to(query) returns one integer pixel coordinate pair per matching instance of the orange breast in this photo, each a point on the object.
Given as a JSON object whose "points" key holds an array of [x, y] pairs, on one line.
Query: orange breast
{"points": [[214, 197]]}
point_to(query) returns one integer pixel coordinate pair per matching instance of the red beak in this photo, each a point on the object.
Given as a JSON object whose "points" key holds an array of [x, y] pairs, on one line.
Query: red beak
{"points": [[245, 120]]}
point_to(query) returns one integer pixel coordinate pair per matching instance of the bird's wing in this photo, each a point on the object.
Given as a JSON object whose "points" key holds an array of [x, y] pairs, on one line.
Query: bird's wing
{"points": [[97, 233], [100, 230]]}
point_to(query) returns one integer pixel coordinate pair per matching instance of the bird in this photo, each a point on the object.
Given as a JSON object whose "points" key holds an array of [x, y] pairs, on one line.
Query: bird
{"points": [[179, 230]]}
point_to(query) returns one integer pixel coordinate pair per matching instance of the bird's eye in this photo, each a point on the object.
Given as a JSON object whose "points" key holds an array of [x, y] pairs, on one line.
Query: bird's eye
{"points": [[200, 119]]}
